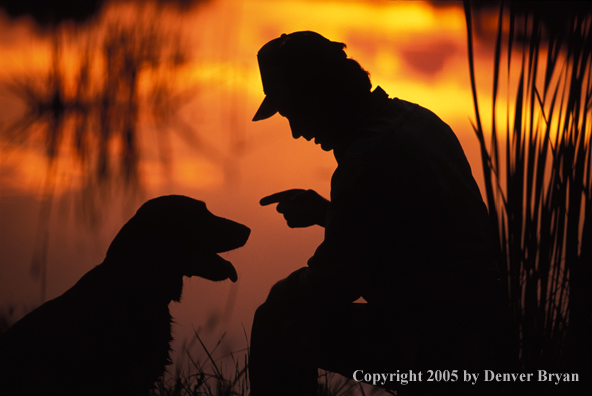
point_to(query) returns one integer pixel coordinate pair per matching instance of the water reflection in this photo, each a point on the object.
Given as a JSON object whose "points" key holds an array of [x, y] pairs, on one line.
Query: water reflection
{"points": [[87, 109], [85, 114]]}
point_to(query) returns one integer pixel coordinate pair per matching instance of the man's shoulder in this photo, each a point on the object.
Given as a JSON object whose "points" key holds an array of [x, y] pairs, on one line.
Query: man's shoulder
{"points": [[396, 121], [415, 115]]}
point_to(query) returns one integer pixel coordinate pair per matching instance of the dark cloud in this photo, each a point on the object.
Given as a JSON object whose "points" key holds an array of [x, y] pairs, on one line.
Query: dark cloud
{"points": [[52, 12]]}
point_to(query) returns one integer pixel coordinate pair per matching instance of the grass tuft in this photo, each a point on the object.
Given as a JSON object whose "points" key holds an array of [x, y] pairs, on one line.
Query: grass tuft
{"points": [[206, 374]]}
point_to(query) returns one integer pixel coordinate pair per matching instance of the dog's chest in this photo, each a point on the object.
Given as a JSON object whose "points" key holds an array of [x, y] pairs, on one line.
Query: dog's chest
{"points": [[149, 337]]}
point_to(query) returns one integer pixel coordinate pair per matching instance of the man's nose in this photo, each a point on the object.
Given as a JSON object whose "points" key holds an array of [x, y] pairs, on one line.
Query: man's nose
{"points": [[297, 130]]}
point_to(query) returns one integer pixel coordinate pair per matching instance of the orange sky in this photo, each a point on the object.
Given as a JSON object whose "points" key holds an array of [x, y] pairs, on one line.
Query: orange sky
{"points": [[413, 51]]}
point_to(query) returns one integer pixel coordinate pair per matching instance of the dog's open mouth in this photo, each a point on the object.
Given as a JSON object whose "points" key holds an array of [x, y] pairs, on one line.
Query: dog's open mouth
{"points": [[214, 268], [210, 265]]}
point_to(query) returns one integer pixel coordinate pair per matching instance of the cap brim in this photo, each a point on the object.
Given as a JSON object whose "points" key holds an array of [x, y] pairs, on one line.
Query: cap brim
{"points": [[267, 109]]}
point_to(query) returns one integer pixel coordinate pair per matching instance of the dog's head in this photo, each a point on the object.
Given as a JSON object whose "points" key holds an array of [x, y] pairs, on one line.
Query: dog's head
{"points": [[175, 236]]}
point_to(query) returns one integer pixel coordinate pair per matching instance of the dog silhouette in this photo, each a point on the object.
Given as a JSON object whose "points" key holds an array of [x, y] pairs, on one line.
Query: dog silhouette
{"points": [[110, 333]]}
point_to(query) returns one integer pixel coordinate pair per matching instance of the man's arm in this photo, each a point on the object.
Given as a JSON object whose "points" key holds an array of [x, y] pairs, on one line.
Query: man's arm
{"points": [[342, 265]]}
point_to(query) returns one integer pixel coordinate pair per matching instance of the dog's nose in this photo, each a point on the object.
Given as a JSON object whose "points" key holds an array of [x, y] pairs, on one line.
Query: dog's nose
{"points": [[245, 232]]}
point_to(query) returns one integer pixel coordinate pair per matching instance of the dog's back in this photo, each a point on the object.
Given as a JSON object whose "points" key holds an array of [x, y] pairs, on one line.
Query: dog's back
{"points": [[97, 338]]}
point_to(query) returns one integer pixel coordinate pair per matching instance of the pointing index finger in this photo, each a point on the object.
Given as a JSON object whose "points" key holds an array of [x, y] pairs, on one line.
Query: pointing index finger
{"points": [[279, 196]]}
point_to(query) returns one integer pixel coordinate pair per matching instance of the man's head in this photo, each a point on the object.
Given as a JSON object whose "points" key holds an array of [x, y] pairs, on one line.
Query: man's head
{"points": [[309, 80]]}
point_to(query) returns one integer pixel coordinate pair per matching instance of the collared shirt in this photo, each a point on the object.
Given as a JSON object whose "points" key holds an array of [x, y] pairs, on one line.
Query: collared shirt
{"points": [[407, 225]]}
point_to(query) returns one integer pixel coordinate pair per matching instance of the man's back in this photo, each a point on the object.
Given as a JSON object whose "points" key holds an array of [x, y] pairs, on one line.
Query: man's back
{"points": [[406, 212]]}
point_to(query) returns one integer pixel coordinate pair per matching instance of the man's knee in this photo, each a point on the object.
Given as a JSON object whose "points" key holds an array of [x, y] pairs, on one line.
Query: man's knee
{"points": [[262, 313], [282, 316], [272, 313], [280, 334]]}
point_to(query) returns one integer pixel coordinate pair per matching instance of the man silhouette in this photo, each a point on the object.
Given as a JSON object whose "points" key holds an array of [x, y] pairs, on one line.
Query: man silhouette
{"points": [[406, 229]]}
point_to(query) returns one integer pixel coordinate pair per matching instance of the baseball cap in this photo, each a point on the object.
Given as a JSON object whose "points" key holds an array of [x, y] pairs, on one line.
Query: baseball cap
{"points": [[292, 60]]}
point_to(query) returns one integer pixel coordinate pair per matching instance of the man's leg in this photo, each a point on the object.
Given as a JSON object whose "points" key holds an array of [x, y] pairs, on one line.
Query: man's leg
{"points": [[291, 339], [280, 361]]}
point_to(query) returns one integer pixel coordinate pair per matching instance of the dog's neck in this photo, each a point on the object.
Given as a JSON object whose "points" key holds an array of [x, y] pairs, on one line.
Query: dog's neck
{"points": [[136, 278]]}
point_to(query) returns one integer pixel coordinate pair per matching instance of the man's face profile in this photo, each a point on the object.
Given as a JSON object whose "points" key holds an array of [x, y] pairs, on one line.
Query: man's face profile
{"points": [[308, 120]]}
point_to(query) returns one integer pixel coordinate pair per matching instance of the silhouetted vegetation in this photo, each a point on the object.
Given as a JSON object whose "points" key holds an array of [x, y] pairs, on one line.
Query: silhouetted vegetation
{"points": [[538, 176], [87, 116], [107, 86], [204, 373], [94, 114]]}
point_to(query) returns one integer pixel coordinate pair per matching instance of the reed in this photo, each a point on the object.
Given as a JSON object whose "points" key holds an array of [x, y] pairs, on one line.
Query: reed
{"points": [[537, 174]]}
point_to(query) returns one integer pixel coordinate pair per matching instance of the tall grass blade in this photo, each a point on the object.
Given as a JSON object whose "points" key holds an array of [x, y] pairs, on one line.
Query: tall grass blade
{"points": [[541, 201]]}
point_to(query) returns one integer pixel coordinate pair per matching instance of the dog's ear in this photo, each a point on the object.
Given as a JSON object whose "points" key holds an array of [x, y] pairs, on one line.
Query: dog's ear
{"points": [[156, 221], [124, 240]]}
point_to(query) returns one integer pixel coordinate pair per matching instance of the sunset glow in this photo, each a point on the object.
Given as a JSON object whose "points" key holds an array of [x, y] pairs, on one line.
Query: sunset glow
{"points": [[414, 51], [194, 131]]}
